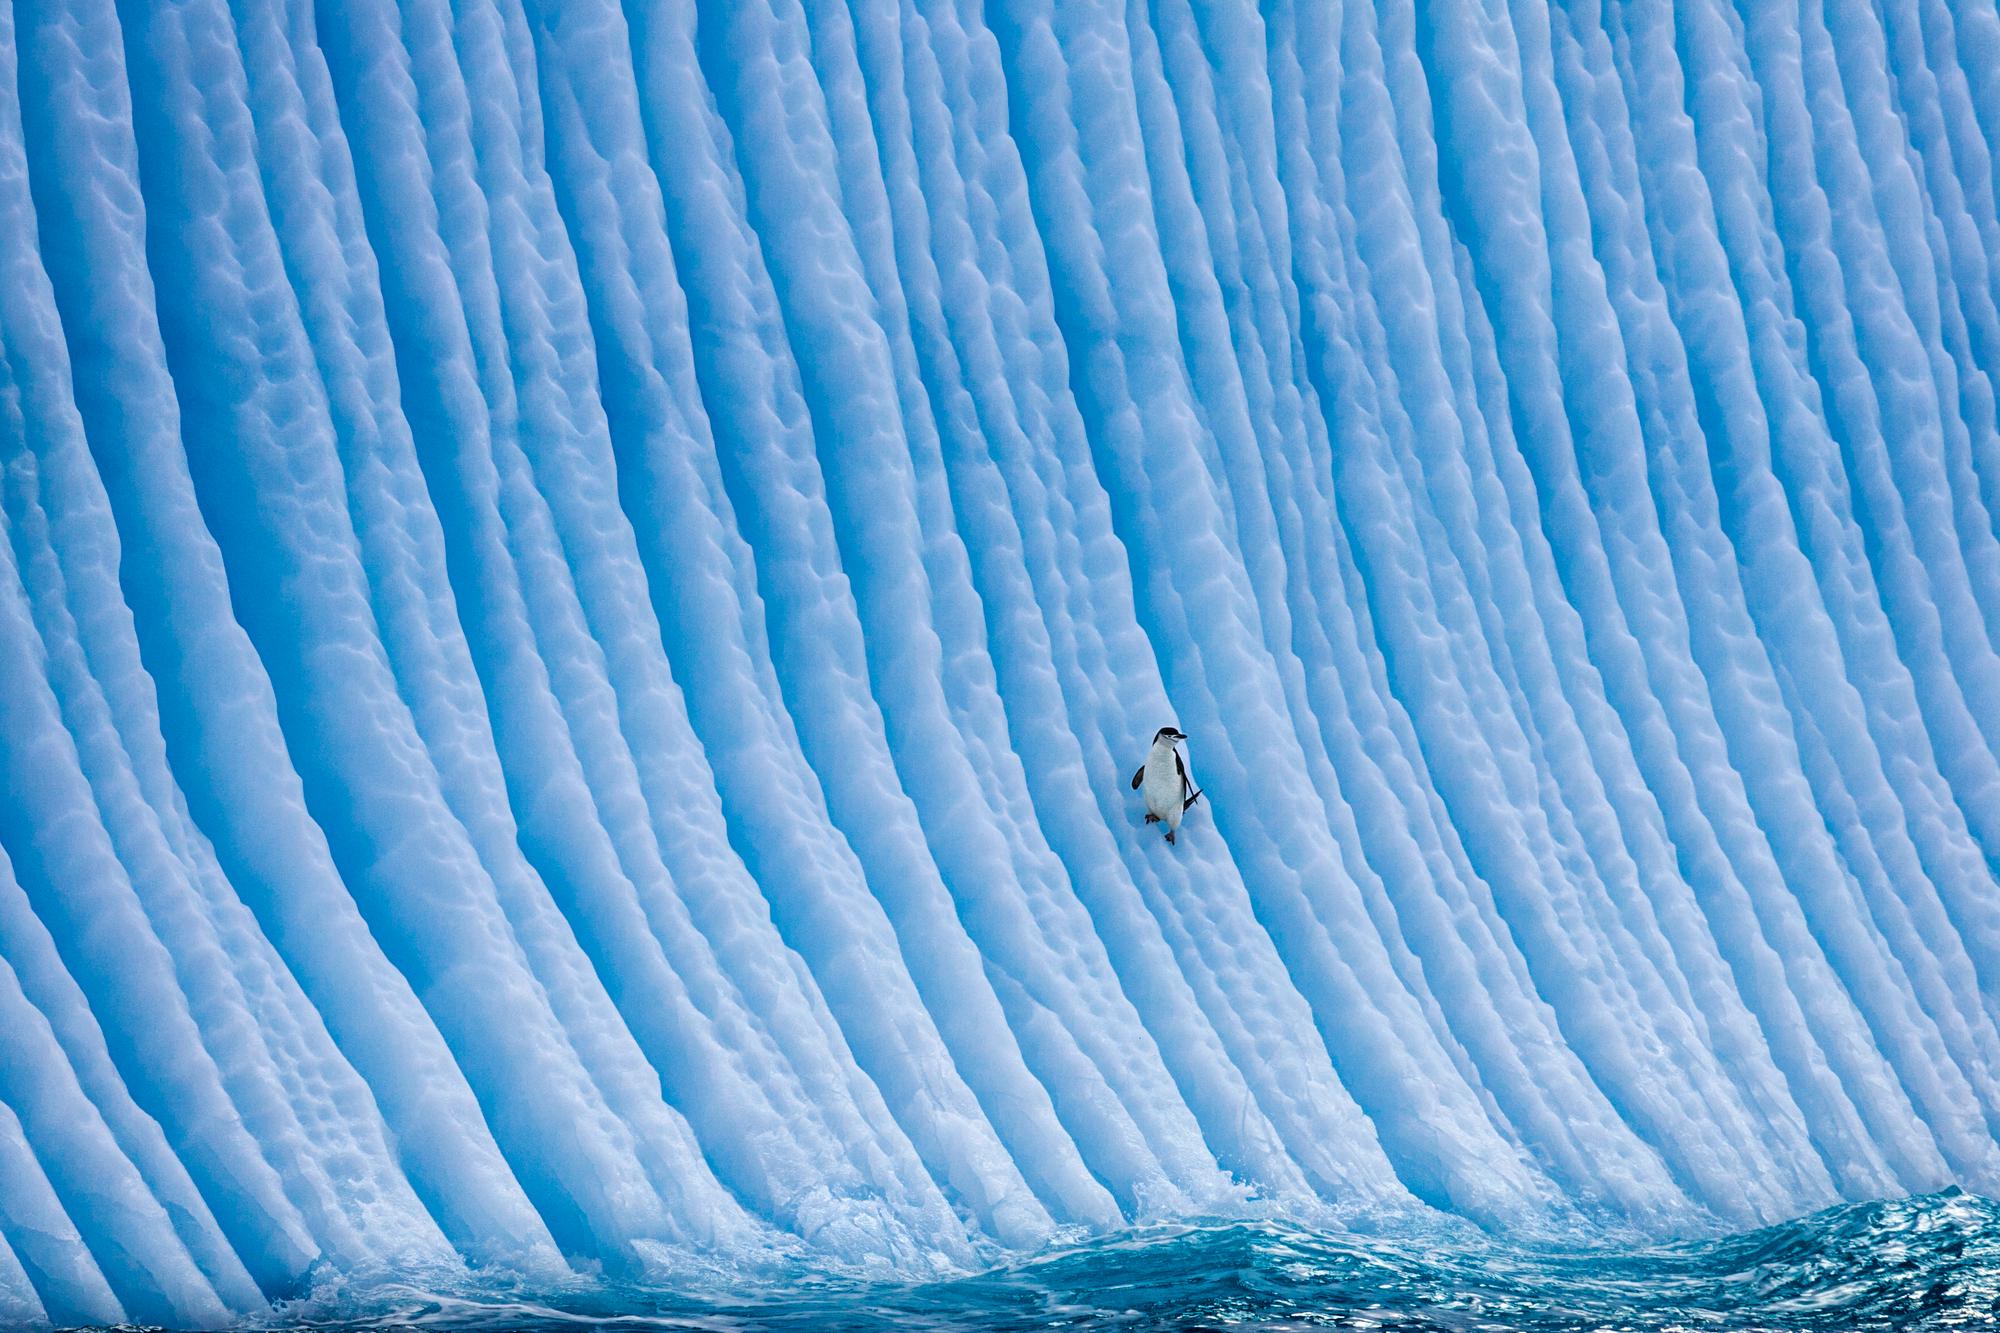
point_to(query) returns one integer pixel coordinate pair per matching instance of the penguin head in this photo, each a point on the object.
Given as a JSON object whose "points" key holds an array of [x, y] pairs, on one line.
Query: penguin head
{"points": [[1169, 734]]}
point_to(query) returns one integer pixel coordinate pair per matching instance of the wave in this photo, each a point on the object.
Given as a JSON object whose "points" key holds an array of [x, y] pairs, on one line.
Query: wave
{"points": [[1931, 1262]]}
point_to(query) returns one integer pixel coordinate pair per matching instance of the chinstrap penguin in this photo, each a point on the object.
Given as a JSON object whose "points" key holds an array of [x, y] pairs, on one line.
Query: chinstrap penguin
{"points": [[1165, 779]]}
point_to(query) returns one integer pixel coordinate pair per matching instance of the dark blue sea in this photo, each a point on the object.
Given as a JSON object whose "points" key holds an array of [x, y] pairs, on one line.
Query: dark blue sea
{"points": [[1926, 1263]]}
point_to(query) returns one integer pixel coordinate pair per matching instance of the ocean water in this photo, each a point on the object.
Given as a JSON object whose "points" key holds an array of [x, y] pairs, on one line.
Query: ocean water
{"points": [[1926, 1263]]}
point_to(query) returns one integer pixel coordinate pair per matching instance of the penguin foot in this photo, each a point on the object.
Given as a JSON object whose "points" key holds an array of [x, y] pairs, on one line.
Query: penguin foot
{"points": [[1152, 818], [1170, 837]]}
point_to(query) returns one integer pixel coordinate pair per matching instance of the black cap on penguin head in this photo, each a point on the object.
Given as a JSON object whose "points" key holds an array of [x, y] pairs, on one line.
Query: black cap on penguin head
{"points": [[1170, 733]]}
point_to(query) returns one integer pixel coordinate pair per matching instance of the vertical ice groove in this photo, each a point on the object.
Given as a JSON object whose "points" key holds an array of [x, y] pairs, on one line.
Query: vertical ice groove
{"points": [[69, 868], [969, 332], [428, 651], [581, 584], [19, 1305], [595, 132], [1674, 217], [1665, 403], [394, 856], [832, 376], [1067, 976], [226, 993], [120, 1221], [77, 538], [1519, 744], [1237, 62], [1132, 395], [1824, 702], [214, 710], [1854, 420], [1548, 373], [64, 1278], [1633, 267]]}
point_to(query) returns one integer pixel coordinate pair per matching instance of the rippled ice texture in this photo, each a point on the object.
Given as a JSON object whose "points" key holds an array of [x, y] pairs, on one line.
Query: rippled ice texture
{"points": [[581, 588]]}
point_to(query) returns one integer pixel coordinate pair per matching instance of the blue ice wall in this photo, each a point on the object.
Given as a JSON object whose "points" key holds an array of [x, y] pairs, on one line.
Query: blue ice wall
{"points": [[581, 589]]}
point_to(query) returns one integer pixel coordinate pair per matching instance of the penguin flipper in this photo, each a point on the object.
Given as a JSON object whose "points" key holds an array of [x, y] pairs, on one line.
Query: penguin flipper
{"points": [[1188, 793], [1138, 777]]}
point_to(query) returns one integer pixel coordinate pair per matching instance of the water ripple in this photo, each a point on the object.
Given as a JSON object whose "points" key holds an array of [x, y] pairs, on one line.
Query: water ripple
{"points": [[1926, 1263]]}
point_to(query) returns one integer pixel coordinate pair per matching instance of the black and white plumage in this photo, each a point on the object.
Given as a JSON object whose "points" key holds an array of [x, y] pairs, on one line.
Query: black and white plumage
{"points": [[1164, 778]]}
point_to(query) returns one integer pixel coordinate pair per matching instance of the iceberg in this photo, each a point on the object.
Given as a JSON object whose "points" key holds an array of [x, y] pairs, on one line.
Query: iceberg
{"points": [[582, 585]]}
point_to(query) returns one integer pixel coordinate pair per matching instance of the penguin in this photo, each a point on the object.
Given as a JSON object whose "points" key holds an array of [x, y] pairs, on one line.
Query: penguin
{"points": [[1165, 777]]}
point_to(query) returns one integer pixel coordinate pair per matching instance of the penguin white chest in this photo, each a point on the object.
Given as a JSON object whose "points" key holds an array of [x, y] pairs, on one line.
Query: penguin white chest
{"points": [[1162, 787]]}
